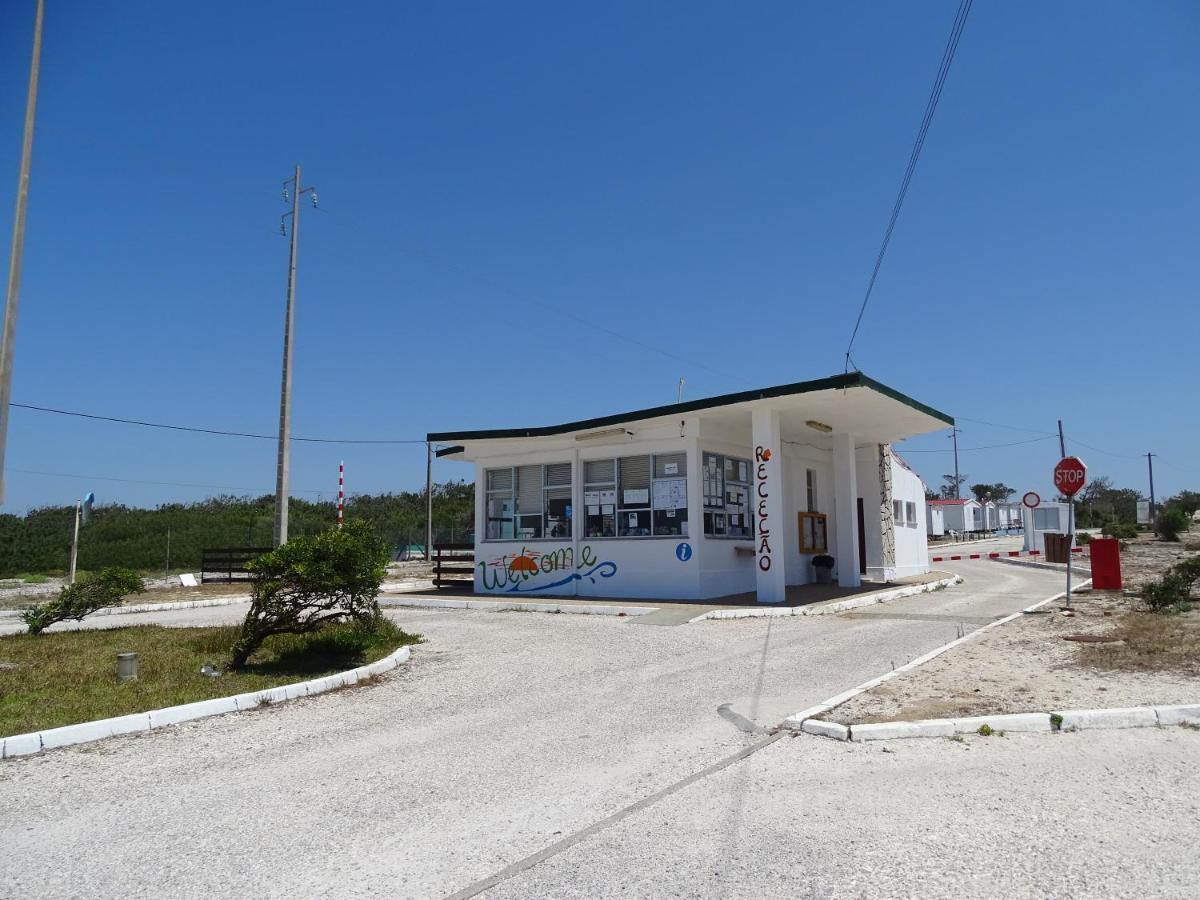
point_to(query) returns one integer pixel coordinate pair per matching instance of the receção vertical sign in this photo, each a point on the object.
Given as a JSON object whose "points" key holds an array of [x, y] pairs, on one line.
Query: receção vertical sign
{"points": [[762, 487]]}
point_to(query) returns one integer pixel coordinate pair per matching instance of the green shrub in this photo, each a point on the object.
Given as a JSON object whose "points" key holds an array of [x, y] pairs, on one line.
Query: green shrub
{"points": [[88, 594], [1170, 523], [33, 579], [313, 580], [1083, 539], [1171, 592], [1119, 529]]}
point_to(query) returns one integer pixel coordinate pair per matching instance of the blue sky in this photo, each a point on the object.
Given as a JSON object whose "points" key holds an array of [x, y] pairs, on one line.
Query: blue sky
{"points": [[504, 186]]}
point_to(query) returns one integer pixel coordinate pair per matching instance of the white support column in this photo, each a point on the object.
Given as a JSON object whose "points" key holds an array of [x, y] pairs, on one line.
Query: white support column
{"points": [[845, 499], [768, 507]]}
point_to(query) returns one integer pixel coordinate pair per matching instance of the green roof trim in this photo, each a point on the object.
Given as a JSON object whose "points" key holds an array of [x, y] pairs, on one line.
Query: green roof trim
{"points": [[835, 382]]}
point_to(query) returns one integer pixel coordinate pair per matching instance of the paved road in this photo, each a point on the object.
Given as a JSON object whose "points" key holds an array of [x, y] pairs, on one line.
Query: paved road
{"points": [[508, 732]]}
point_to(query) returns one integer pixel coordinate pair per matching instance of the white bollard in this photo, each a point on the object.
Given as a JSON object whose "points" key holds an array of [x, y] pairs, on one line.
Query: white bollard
{"points": [[126, 667]]}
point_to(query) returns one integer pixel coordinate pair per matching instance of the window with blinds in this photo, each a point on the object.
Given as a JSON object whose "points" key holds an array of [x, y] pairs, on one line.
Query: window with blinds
{"points": [[650, 497], [528, 502]]}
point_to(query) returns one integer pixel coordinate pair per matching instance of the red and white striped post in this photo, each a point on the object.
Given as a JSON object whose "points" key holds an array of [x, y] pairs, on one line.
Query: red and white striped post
{"points": [[341, 494]]}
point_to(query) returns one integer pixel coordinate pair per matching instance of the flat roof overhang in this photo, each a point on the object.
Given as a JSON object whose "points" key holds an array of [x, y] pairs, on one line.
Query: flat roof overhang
{"points": [[852, 403]]}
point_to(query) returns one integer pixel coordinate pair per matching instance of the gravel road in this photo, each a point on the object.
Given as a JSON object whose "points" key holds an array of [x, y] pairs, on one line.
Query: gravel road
{"points": [[509, 731]]}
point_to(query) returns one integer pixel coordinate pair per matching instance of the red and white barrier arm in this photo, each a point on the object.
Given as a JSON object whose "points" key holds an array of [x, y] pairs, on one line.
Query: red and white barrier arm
{"points": [[994, 555]]}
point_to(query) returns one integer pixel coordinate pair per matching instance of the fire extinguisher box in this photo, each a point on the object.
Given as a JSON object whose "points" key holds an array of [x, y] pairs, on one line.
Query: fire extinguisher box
{"points": [[1106, 563]]}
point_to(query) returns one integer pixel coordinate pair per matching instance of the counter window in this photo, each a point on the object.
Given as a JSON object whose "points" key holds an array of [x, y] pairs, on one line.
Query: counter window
{"points": [[636, 496], [529, 502], [726, 496], [910, 510], [498, 512], [898, 512], [600, 498]]}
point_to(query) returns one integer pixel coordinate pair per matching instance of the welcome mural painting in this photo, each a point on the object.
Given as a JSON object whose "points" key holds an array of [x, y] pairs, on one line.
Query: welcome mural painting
{"points": [[514, 574]]}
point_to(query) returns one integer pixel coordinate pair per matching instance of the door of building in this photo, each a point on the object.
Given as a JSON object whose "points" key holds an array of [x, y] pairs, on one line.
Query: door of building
{"points": [[862, 539]]}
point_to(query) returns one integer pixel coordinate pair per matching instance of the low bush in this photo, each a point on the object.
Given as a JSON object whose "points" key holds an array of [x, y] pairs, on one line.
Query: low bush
{"points": [[1170, 523], [88, 594], [1083, 538], [1174, 590], [1119, 529], [313, 580]]}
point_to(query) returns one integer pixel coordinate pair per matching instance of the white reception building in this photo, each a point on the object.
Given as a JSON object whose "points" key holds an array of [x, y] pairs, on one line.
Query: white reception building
{"points": [[704, 499]]}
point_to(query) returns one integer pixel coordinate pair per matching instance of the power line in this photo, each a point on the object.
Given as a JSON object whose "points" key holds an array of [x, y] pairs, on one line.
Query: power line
{"points": [[988, 447], [1010, 427], [216, 431], [960, 21], [220, 487]]}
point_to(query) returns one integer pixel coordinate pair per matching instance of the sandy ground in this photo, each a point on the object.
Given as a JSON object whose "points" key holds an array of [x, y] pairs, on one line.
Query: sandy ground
{"points": [[1027, 666], [509, 732]]}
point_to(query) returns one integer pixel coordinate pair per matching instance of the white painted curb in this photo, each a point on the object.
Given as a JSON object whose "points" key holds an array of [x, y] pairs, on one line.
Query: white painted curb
{"points": [[757, 612], [149, 607], [1071, 720], [826, 729], [796, 720], [84, 732], [493, 605]]}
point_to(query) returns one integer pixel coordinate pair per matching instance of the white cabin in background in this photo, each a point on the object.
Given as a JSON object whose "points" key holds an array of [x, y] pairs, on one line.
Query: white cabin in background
{"points": [[959, 516]]}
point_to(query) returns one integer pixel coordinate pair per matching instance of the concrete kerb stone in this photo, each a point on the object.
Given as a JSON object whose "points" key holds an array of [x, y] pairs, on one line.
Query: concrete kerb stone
{"points": [[825, 729], [530, 606], [85, 732], [1128, 717], [827, 609], [150, 607], [1178, 715]]}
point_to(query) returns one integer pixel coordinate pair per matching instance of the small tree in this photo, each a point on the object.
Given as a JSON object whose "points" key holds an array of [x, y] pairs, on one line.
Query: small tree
{"points": [[90, 593], [1170, 523], [311, 580]]}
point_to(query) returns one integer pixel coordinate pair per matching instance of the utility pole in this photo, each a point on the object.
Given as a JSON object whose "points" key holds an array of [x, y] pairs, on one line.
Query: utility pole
{"points": [[428, 499], [1150, 463], [957, 480], [283, 460], [75, 541], [18, 243], [679, 392]]}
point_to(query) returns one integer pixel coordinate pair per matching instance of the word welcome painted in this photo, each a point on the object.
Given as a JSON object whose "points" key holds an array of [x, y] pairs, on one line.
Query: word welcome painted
{"points": [[517, 572], [762, 456]]}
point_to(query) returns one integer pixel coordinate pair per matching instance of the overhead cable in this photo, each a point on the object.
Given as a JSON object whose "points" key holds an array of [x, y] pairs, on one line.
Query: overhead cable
{"points": [[960, 21]]}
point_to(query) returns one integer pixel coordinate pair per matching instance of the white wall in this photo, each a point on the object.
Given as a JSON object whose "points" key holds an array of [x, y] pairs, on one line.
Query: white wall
{"points": [[935, 520], [912, 541]]}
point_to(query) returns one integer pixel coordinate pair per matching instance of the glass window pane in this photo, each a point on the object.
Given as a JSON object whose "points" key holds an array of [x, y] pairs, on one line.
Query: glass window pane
{"points": [[558, 512], [670, 521], [634, 524], [670, 465], [634, 489], [598, 471]]}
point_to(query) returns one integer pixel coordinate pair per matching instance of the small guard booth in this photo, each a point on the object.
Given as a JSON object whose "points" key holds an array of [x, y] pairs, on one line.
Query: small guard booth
{"points": [[705, 499]]}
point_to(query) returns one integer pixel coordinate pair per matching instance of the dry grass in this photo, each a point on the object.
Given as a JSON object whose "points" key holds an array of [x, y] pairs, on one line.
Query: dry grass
{"points": [[1149, 642]]}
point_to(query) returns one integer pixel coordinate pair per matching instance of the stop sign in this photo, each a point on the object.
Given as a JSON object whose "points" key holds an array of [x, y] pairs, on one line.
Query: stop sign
{"points": [[1070, 475]]}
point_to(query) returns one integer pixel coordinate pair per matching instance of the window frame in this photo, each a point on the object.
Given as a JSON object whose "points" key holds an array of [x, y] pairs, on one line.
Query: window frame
{"points": [[710, 511], [513, 493], [619, 508]]}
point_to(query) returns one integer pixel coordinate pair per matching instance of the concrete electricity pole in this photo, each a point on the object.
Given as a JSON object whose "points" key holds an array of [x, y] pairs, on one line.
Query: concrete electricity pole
{"points": [[1150, 463], [957, 480], [18, 243], [283, 460]]}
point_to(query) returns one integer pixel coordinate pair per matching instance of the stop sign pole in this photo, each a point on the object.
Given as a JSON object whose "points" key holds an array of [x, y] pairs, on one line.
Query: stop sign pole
{"points": [[1070, 475]]}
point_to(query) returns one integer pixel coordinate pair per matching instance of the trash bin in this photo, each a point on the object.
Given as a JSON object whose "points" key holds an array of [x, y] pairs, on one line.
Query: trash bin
{"points": [[823, 569], [1106, 563]]}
